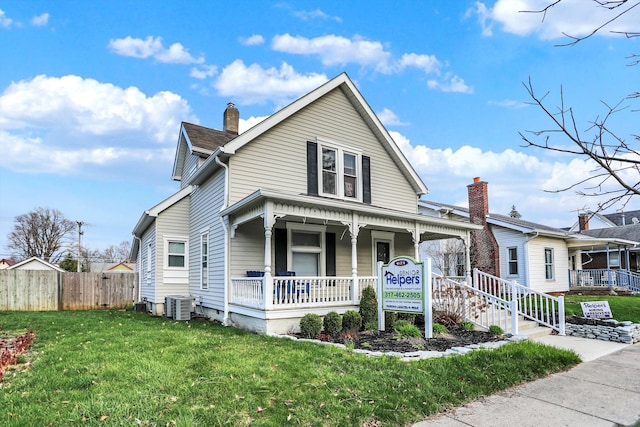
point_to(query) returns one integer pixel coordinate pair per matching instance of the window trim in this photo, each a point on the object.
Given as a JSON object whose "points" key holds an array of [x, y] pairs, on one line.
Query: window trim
{"points": [[340, 150], [147, 261], [549, 268], [176, 239], [512, 262], [204, 261], [385, 237]]}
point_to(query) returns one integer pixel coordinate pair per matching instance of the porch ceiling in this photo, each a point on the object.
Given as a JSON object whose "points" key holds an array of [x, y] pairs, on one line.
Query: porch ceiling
{"points": [[321, 210]]}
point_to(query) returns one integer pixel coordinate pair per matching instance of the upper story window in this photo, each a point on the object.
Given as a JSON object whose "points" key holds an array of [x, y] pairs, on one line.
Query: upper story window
{"points": [[340, 171]]}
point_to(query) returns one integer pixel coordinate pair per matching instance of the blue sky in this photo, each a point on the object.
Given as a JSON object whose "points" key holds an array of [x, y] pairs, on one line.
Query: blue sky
{"points": [[92, 93]]}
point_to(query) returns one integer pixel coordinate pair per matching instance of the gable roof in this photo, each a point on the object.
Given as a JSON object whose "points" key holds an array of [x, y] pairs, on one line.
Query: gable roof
{"points": [[35, 260], [198, 140], [341, 82]]}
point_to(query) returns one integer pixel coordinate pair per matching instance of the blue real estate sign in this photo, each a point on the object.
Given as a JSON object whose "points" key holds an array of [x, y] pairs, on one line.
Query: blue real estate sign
{"points": [[403, 286]]}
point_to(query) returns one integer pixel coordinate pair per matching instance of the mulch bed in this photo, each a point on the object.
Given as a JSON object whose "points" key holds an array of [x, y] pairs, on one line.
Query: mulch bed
{"points": [[384, 341]]}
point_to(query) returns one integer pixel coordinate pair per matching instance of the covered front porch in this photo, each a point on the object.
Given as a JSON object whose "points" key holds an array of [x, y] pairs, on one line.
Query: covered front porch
{"points": [[292, 255]]}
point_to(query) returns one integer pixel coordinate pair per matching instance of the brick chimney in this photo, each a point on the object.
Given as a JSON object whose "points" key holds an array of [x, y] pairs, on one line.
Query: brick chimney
{"points": [[484, 251], [583, 221], [478, 201], [231, 119]]}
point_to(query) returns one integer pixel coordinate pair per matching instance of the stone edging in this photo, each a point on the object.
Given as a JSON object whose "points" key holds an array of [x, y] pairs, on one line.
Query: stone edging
{"points": [[418, 355], [622, 332]]}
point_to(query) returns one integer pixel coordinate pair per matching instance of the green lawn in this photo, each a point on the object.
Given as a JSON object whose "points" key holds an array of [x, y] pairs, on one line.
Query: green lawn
{"points": [[622, 307], [127, 368]]}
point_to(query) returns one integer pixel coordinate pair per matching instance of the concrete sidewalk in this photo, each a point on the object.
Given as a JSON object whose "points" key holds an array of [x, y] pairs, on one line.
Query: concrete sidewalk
{"points": [[604, 390]]}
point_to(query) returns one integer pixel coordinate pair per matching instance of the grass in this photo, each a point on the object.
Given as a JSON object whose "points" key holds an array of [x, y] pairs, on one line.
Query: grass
{"points": [[622, 307], [128, 368]]}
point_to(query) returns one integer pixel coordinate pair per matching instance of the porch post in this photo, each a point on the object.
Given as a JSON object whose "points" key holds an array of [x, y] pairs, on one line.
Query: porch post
{"points": [[354, 229], [467, 253], [416, 242], [608, 267], [268, 278]]}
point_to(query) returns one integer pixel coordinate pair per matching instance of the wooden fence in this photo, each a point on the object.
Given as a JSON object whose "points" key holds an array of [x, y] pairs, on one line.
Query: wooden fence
{"points": [[38, 290]]}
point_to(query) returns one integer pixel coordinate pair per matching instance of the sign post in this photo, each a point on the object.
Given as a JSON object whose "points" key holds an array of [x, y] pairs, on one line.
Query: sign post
{"points": [[404, 287]]}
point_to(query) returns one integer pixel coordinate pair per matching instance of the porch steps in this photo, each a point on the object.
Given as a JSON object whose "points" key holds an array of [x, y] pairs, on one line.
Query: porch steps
{"points": [[532, 329]]}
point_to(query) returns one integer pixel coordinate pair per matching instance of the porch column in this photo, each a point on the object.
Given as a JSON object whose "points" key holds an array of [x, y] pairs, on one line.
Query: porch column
{"points": [[415, 234], [467, 253], [269, 221], [608, 267], [354, 230]]}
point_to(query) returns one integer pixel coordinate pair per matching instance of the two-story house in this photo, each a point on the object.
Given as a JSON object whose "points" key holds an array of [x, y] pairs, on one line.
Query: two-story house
{"points": [[287, 218]]}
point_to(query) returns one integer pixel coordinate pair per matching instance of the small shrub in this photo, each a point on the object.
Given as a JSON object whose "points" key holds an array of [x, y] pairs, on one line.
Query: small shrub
{"points": [[369, 306], [310, 325], [371, 326], [349, 340], [439, 328], [405, 329], [351, 321], [467, 326], [496, 330], [332, 323], [410, 318], [389, 320]]}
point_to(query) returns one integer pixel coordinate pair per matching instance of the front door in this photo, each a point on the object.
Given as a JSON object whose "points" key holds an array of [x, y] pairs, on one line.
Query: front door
{"points": [[383, 252]]}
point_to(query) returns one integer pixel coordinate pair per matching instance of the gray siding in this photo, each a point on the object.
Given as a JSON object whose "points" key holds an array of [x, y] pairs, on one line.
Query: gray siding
{"points": [[247, 249], [206, 202], [277, 159], [148, 279], [191, 163]]}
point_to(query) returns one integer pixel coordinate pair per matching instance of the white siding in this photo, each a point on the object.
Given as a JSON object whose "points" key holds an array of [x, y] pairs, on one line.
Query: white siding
{"points": [[535, 260], [508, 239], [172, 224], [277, 159], [206, 201]]}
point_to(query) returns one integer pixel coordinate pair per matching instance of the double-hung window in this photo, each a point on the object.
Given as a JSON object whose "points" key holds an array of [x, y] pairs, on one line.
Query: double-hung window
{"points": [[307, 249], [548, 263], [340, 171], [176, 254], [513, 261]]}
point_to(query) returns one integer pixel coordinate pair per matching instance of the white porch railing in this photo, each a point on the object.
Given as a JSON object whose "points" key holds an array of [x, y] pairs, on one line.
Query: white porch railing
{"points": [[605, 278], [298, 291], [534, 305], [474, 305]]}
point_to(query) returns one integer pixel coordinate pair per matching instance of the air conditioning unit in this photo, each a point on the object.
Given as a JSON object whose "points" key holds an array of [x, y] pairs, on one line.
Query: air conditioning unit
{"points": [[169, 306], [182, 308]]}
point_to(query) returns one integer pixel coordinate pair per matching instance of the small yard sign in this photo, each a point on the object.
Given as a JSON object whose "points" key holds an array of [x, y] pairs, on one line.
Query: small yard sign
{"points": [[596, 310], [403, 287]]}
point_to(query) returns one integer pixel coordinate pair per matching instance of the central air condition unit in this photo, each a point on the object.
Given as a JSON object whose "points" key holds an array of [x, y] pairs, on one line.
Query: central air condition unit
{"points": [[182, 308], [169, 307]]}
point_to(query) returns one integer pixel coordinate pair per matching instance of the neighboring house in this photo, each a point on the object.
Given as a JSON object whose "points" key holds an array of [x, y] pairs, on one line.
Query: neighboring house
{"points": [[534, 255], [114, 267], [288, 218], [35, 263], [6, 263], [622, 226]]}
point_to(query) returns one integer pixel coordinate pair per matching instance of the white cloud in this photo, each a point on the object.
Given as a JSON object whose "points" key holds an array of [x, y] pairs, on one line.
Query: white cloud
{"points": [[308, 15], [153, 47], [253, 84], [509, 103], [66, 124], [450, 83], [523, 179], [5, 21], [246, 124], [572, 17], [40, 20], [389, 118], [253, 40], [203, 72], [337, 50]]}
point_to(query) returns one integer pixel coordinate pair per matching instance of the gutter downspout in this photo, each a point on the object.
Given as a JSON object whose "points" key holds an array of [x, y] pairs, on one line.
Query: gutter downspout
{"points": [[136, 297], [225, 203], [526, 257]]}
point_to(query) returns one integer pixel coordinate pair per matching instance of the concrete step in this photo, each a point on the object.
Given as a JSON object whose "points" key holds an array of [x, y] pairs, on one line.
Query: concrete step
{"points": [[537, 332]]}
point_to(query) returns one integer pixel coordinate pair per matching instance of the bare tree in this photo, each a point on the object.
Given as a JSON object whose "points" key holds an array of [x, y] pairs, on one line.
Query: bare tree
{"points": [[447, 256], [615, 158], [43, 233]]}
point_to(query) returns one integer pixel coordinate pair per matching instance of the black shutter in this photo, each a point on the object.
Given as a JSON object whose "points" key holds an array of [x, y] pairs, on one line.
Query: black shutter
{"points": [[366, 179], [312, 168], [280, 242], [330, 240]]}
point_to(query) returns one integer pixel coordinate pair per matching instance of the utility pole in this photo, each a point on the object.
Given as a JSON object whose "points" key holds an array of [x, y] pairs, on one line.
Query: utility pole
{"points": [[80, 233]]}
